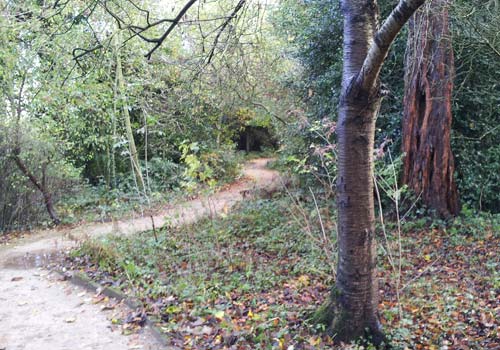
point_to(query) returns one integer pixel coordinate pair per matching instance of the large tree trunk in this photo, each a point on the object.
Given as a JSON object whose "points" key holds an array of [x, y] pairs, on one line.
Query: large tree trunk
{"points": [[428, 165], [355, 298], [356, 274]]}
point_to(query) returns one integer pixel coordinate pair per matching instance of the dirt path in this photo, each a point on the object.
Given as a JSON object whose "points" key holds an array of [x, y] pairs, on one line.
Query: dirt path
{"points": [[38, 311]]}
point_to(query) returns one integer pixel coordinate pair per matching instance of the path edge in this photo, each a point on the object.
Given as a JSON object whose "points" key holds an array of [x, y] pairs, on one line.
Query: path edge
{"points": [[81, 280]]}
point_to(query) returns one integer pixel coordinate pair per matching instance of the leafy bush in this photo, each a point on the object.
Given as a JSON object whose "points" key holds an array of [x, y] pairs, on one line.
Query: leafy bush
{"points": [[208, 166], [164, 174], [21, 203]]}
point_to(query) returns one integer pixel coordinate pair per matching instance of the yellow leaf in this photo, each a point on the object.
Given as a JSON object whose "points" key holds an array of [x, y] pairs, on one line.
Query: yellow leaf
{"points": [[313, 341], [303, 280], [427, 257], [281, 343]]}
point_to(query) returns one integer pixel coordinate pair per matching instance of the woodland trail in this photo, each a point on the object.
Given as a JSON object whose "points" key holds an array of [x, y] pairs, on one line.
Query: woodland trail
{"points": [[40, 311]]}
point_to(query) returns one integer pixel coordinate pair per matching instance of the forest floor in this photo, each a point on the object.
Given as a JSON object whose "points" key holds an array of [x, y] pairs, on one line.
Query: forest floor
{"points": [[40, 310], [253, 278]]}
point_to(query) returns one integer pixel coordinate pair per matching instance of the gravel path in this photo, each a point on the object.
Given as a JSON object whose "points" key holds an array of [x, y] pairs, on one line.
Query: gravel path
{"points": [[39, 311]]}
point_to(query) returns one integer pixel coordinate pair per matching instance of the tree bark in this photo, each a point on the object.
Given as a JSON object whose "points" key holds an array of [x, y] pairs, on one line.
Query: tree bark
{"points": [[134, 158], [354, 300], [428, 164], [41, 186], [16, 155]]}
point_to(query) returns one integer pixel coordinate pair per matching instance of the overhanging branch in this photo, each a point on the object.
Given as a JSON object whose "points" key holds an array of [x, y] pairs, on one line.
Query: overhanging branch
{"points": [[174, 23], [223, 27]]}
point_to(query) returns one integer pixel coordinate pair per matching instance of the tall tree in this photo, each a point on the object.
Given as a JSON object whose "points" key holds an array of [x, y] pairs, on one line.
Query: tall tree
{"points": [[353, 309], [429, 165], [120, 93]]}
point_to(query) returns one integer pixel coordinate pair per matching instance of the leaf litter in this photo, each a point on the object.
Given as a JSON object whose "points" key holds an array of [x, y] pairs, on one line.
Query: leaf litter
{"points": [[252, 280]]}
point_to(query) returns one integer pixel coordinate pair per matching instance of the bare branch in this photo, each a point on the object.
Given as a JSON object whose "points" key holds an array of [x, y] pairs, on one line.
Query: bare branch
{"points": [[177, 19], [83, 52], [223, 27]]}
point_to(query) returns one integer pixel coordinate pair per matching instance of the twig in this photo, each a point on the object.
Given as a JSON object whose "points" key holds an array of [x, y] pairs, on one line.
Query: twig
{"points": [[154, 228], [420, 274]]}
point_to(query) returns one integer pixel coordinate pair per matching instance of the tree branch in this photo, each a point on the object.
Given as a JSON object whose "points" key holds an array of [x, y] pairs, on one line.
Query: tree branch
{"points": [[173, 24], [383, 39], [222, 28]]}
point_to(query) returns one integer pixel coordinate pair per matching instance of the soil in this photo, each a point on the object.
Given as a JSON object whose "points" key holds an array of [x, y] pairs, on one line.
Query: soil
{"points": [[40, 311]]}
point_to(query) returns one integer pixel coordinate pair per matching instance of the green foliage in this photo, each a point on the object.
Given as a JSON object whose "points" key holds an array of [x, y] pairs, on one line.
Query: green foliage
{"points": [[313, 31], [476, 137], [207, 166], [72, 103], [231, 270], [164, 175], [473, 224], [21, 203]]}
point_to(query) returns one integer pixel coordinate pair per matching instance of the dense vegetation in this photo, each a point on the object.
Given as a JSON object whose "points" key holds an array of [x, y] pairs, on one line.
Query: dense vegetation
{"points": [[73, 112], [93, 130]]}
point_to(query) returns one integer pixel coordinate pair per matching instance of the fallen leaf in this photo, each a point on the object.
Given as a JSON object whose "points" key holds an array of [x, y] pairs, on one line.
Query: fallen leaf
{"points": [[15, 279], [107, 307], [220, 314]]}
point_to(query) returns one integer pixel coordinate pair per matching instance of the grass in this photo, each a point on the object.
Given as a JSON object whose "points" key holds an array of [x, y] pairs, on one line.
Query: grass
{"points": [[251, 279]]}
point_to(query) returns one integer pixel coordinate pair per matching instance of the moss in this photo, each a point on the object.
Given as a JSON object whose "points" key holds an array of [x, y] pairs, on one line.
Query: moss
{"points": [[323, 315], [336, 321]]}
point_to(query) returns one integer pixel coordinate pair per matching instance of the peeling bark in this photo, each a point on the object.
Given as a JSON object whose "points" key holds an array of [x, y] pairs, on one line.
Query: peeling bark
{"points": [[429, 165]]}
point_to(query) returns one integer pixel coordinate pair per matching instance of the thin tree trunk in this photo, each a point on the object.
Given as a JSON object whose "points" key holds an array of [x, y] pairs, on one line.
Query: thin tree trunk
{"points": [[354, 300], [113, 141], [41, 186], [146, 130], [16, 152], [134, 159], [429, 165]]}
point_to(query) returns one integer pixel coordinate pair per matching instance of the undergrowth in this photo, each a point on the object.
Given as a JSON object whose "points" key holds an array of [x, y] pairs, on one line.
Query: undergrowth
{"points": [[251, 280]]}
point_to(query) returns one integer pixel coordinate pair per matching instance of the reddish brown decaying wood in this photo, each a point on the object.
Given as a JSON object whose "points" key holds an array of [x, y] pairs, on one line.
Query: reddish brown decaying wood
{"points": [[428, 164]]}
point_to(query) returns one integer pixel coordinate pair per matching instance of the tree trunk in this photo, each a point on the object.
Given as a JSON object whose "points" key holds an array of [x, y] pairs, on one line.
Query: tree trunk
{"points": [[428, 165], [354, 300], [134, 159], [247, 140], [41, 186], [16, 155]]}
